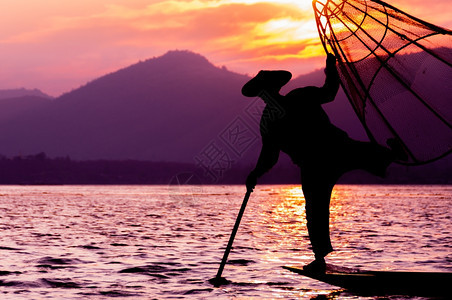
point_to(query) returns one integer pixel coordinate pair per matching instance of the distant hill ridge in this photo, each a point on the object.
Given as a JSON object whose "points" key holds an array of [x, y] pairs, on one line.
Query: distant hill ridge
{"points": [[22, 92], [163, 109]]}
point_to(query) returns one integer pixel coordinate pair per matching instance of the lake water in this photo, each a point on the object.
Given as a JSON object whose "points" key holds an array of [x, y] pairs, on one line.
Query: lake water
{"points": [[165, 242]]}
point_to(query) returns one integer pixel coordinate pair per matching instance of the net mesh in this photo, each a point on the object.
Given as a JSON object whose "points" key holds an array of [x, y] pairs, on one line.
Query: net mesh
{"points": [[396, 71]]}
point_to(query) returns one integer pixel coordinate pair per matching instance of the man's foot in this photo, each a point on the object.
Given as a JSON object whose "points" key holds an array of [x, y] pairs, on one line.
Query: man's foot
{"points": [[317, 266]]}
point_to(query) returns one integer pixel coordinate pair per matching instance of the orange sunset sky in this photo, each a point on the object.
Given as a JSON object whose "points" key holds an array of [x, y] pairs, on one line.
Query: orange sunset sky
{"points": [[57, 46]]}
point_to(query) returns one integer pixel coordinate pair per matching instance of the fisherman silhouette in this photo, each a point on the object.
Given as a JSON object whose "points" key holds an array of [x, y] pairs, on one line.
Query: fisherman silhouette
{"points": [[297, 125]]}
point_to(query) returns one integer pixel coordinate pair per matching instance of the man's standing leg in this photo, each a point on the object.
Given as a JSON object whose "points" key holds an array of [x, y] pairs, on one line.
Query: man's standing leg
{"points": [[317, 193]]}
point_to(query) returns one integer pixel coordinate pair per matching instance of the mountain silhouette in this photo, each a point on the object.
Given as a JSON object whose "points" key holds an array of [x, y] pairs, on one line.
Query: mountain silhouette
{"points": [[163, 109]]}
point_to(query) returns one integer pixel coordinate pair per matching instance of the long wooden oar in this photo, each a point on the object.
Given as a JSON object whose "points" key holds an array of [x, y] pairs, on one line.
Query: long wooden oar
{"points": [[218, 280]]}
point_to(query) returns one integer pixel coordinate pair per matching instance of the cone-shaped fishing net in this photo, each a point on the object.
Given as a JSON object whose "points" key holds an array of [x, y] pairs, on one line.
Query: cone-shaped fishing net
{"points": [[396, 71]]}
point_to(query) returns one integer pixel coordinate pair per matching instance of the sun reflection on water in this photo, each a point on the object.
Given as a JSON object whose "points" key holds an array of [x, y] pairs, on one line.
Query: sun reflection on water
{"points": [[279, 222]]}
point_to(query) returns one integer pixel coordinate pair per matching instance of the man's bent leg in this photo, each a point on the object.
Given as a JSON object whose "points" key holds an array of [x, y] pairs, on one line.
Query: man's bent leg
{"points": [[368, 156]]}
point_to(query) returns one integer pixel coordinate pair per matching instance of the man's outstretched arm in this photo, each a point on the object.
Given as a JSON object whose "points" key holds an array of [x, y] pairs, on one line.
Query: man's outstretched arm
{"points": [[331, 86], [267, 159]]}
